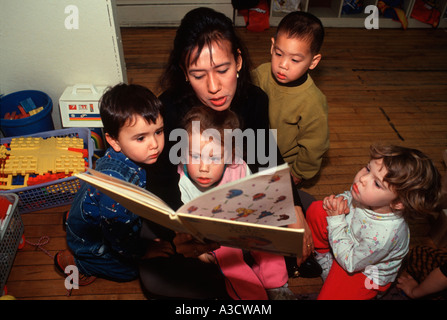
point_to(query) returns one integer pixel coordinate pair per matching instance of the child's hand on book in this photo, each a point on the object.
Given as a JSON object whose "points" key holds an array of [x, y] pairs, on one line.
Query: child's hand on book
{"points": [[159, 248], [186, 245]]}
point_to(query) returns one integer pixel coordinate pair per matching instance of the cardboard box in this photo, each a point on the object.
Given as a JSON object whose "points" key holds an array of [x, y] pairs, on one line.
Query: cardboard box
{"points": [[79, 106]]}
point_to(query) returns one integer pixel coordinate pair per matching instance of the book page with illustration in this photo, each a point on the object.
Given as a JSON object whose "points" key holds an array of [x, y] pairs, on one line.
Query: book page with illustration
{"points": [[250, 213]]}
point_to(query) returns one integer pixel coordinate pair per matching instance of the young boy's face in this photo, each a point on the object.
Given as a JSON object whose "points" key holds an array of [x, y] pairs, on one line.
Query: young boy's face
{"points": [[371, 191], [291, 58], [139, 140], [206, 162]]}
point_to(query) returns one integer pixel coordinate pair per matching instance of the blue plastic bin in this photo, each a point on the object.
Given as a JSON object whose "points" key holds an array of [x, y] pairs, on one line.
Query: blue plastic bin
{"points": [[39, 122]]}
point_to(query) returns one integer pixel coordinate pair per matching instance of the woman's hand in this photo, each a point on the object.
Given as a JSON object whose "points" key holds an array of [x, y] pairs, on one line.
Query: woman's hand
{"points": [[159, 248], [308, 243], [186, 245]]}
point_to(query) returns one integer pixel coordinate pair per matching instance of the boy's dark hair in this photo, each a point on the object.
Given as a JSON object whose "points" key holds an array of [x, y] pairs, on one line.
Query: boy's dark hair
{"points": [[305, 26], [122, 102]]}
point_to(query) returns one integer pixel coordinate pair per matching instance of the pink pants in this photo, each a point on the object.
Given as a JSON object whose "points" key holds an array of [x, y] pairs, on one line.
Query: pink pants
{"points": [[339, 285], [249, 283]]}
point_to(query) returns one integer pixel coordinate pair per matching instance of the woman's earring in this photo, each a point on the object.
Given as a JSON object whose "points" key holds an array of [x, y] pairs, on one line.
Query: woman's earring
{"points": [[237, 75]]}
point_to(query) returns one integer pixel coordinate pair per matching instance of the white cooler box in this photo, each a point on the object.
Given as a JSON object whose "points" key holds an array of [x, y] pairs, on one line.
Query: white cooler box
{"points": [[79, 106]]}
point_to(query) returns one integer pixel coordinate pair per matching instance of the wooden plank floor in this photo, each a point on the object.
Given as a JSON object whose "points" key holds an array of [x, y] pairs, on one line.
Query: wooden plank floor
{"points": [[373, 80]]}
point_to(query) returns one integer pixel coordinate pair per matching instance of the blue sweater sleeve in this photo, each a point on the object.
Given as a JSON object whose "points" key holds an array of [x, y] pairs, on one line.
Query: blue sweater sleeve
{"points": [[120, 227]]}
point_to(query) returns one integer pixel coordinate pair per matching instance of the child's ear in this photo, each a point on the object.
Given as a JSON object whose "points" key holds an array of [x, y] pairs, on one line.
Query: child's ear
{"points": [[113, 143], [315, 60], [397, 206], [273, 46]]}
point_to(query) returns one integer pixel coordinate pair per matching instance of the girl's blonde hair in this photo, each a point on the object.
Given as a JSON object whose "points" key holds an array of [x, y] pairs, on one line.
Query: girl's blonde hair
{"points": [[413, 176]]}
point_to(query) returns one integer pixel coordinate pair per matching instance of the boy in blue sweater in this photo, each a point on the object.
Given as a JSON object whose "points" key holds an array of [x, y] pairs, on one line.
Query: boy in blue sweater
{"points": [[104, 237]]}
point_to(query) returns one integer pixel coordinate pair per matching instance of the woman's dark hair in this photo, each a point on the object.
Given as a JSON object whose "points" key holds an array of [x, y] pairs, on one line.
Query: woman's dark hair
{"points": [[123, 102], [199, 28]]}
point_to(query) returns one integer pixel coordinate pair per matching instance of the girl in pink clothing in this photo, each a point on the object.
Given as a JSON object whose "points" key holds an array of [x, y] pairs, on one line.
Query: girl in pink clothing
{"points": [[207, 164]]}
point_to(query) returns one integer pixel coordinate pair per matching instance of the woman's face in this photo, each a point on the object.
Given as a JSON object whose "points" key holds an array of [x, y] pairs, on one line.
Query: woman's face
{"points": [[213, 77]]}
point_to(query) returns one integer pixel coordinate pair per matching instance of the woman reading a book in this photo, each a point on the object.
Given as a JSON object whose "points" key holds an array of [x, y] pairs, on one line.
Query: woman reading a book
{"points": [[208, 65]]}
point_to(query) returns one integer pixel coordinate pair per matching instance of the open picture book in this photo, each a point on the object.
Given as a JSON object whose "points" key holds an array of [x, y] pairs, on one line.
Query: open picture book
{"points": [[251, 213]]}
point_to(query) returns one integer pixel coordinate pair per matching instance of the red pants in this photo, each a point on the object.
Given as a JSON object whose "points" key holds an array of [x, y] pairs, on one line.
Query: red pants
{"points": [[339, 285]]}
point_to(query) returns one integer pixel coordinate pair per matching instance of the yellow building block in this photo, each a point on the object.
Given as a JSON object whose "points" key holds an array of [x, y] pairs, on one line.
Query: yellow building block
{"points": [[33, 155], [6, 183], [3, 152], [34, 111]]}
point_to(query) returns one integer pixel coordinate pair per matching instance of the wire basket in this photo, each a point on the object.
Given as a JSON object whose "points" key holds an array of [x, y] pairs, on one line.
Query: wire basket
{"points": [[10, 237], [54, 193]]}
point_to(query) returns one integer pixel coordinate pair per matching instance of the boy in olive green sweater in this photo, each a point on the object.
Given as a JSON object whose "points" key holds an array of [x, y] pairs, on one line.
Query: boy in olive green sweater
{"points": [[297, 108]]}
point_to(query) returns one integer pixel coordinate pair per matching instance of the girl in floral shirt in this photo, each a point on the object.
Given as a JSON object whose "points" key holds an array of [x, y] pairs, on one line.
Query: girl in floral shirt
{"points": [[362, 236]]}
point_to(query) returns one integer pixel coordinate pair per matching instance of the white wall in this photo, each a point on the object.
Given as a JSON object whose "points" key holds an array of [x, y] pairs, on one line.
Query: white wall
{"points": [[164, 13], [41, 48]]}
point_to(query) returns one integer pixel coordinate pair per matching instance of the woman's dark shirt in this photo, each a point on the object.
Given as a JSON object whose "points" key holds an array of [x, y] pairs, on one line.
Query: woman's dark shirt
{"points": [[252, 110]]}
